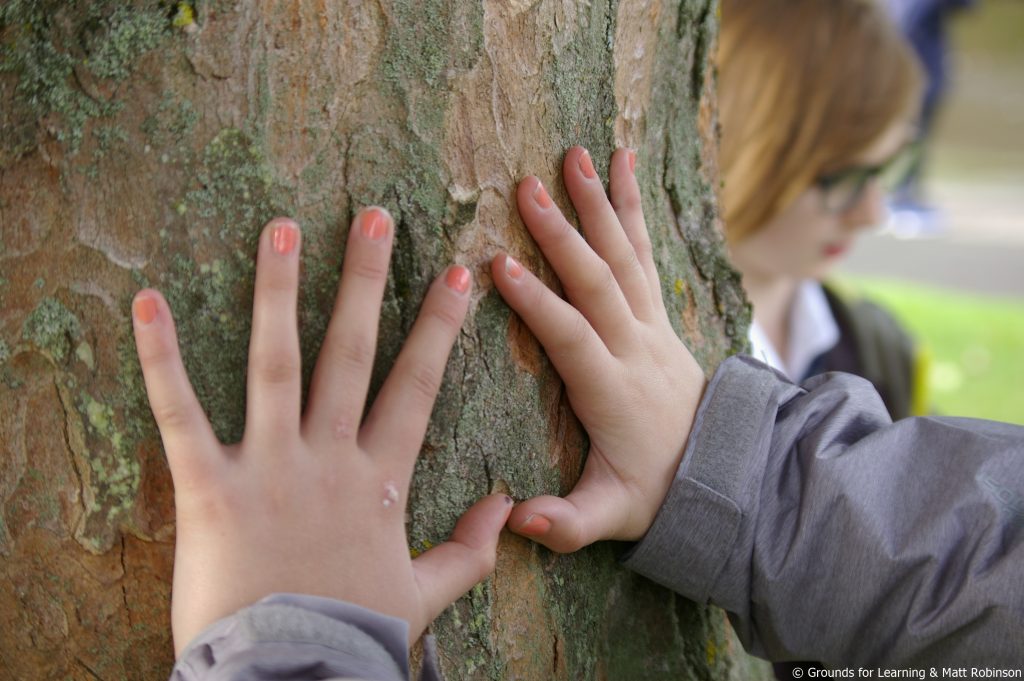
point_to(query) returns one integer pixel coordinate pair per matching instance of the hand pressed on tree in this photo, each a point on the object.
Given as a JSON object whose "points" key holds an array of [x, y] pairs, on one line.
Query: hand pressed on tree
{"points": [[313, 503], [631, 381]]}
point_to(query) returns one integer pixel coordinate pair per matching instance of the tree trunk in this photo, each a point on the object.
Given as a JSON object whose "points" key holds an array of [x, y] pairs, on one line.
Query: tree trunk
{"points": [[146, 143]]}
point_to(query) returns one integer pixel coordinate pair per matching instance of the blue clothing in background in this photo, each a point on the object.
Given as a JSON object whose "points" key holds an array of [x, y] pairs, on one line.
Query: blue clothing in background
{"points": [[923, 22]]}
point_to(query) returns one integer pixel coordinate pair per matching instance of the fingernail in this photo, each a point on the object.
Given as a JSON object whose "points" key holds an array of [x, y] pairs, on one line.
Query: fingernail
{"points": [[632, 161], [587, 166], [540, 195], [284, 238], [535, 525], [457, 279], [144, 310], [513, 268], [508, 500], [375, 224]]}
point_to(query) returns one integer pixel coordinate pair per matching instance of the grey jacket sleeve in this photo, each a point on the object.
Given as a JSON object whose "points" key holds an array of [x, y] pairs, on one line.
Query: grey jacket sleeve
{"points": [[830, 533], [287, 637]]}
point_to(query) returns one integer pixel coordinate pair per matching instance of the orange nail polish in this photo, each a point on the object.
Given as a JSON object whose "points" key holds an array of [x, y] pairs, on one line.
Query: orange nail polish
{"points": [[144, 310], [535, 525], [587, 166], [457, 279], [540, 195], [375, 224], [632, 161], [284, 237]]}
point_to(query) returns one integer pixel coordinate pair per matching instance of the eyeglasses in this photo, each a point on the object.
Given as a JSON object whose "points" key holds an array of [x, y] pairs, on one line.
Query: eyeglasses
{"points": [[844, 189]]}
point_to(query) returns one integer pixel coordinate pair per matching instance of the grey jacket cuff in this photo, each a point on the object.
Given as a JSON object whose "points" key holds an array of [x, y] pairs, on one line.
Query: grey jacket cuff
{"points": [[293, 636], [717, 483]]}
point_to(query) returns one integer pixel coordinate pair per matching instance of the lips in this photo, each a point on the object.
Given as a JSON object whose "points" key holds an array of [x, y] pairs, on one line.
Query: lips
{"points": [[835, 250]]}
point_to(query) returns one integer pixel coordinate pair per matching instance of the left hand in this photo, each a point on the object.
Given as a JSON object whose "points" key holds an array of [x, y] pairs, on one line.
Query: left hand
{"points": [[630, 380], [313, 503]]}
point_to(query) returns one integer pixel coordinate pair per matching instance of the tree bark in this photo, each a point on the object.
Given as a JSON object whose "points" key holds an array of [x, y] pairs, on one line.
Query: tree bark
{"points": [[145, 144]]}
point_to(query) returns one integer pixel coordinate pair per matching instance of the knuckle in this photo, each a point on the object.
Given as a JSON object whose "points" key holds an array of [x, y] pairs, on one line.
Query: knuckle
{"points": [[627, 200], [575, 335], [484, 562], [631, 201], [275, 369], [537, 298], [602, 283], [557, 235], [372, 269], [447, 314], [425, 381], [172, 415], [627, 263], [275, 280], [642, 246], [154, 354], [356, 351], [568, 539]]}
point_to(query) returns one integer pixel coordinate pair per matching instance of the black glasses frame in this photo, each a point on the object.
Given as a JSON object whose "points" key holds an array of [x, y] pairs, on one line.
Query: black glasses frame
{"points": [[854, 180]]}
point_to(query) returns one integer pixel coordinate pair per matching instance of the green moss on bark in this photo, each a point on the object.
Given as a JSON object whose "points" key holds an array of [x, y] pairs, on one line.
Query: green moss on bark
{"points": [[169, 129], [709, 280], [582, 85], [53, 47], [52, 328], [114, 473], [209, 281]]}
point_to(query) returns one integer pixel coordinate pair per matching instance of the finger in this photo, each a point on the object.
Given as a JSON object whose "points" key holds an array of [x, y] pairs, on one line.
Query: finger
{"points": [[274, 383], [587, 279], [343, 370], [395, 426], [604, 233], [625, 197], [449, 570], [594, 510], [186, 433], [573, 347]]}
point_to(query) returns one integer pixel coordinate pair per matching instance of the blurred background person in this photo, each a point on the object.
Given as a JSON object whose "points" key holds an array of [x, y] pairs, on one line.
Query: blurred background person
{"points": [[819, 105], [925, 25]]}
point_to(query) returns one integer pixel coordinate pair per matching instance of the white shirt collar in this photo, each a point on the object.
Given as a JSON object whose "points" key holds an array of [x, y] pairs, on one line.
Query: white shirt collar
{"points": [[812, 331]]}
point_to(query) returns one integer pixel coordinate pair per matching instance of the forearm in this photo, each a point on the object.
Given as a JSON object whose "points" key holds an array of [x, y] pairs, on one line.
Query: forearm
{"points": [[830, 533]]}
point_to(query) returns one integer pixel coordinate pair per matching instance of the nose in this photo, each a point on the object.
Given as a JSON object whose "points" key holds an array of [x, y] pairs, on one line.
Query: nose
{"points": [[870, 210]]}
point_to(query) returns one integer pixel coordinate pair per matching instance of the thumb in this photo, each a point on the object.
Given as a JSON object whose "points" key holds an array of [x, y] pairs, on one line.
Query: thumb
{"points": [[589, 513], [447, 571]]}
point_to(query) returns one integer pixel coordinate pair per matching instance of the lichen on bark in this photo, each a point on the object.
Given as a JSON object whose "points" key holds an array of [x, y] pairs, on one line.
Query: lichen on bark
{"points": [[59, 53]]}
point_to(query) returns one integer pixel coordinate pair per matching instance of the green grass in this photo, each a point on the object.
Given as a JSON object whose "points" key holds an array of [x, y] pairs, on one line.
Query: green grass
{"points": [[975, 345], [991, 28]]}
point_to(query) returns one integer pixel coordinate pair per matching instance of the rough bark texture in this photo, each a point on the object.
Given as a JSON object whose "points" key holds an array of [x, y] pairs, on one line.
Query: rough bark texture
{"points": [[145, 144]]}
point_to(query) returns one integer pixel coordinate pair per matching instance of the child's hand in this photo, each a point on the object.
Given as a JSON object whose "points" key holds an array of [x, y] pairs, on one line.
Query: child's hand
{"points": [[630, 380], [313, 503]]}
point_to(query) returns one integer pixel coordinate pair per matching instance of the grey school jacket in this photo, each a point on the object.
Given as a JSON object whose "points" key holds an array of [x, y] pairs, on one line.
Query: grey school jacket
{"points": [[825, 530]]}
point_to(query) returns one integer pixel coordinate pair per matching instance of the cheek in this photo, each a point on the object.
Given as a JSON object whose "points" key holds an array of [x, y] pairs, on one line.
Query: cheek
{"points": [[792, 241], [801, 228], [797, 238], [806, 221]]}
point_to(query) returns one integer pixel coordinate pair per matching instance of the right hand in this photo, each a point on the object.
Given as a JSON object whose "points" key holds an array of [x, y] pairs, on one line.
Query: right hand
{"points": [[631, 381]]}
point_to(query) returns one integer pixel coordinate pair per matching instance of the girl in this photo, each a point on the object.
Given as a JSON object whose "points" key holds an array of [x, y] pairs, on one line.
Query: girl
{"points": [[818, 102]]}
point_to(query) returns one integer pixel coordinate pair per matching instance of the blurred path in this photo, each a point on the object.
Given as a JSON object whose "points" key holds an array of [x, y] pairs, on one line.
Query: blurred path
{"points": [[981, 249]]}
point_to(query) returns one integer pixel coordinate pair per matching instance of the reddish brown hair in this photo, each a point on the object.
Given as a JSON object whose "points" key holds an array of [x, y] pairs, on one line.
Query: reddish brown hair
{"points": [[805, 87]]}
